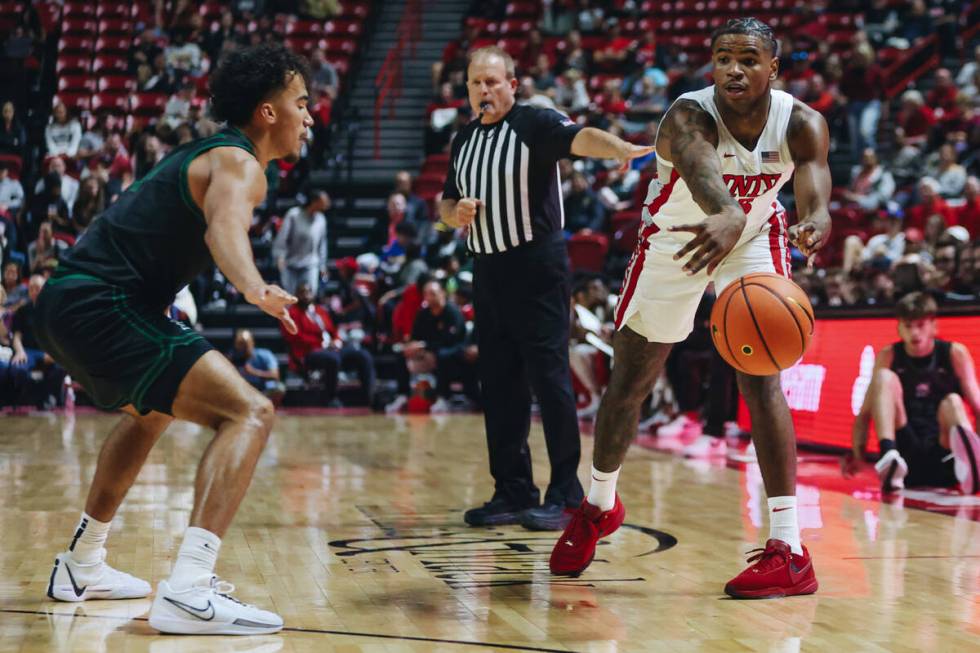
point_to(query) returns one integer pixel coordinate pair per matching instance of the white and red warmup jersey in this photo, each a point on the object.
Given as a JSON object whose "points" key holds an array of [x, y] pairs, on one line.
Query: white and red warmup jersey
{"points": [[754, 177]]}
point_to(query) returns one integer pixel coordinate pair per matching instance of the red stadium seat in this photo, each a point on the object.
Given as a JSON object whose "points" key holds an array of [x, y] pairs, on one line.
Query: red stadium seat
{"points": [[117, 103], [113, 45], [115, 27], [117, 84], [13, 162], [522, 10], [588, 252], [70, 63], [338, 45], [110, 64], [518, 27], [211, 9], [351, 27], [303, 28], [72, 10], [76, 83], [513, 46], [148, 104], [68, 239], [300, 44], [78, 27], [429, 185], [623, 219], [78, 100], [114, 10], [352, 9]]}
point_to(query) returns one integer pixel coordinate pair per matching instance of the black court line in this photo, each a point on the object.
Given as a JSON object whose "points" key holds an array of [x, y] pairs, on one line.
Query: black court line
{"points": [[315, 631]]}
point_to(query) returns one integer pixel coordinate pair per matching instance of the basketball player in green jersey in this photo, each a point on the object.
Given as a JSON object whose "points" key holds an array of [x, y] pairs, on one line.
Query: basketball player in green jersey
{"points": [[101, 317]]}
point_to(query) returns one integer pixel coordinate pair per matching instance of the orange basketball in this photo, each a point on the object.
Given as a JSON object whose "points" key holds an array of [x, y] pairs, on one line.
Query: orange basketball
{"points": [[762, 323]]}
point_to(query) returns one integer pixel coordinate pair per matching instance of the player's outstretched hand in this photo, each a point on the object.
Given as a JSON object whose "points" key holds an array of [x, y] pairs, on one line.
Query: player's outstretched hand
{"points": [[714, 238], [274, 301], [810, 235], [631, 152]]}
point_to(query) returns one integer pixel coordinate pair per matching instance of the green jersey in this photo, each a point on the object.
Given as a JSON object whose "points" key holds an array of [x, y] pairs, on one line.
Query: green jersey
{"points": [[150, 242]]}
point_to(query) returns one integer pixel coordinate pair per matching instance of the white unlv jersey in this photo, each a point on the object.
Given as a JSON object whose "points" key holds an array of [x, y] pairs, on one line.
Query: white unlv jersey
{"points": [[753, 177]]}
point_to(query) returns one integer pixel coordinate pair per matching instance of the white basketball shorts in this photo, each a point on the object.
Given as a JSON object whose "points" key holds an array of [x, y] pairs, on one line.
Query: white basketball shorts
{"points": [[659, 300]]}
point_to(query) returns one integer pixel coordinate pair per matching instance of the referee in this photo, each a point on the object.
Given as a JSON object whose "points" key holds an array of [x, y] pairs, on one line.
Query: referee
{"points": [[503, 184]]}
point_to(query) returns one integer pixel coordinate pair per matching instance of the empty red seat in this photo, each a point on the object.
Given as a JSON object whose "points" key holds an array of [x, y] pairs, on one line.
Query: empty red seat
{"points": [[113, 45], [70, 10], [300, 43], [338, 45], [117, 103], [516, 27], [148, 104], [72, 63], [115, 27], [343, 26], [76, 83], [116, 84], [114, 10], [78, 100], [353, 9], [522, 10], [13, 162], [81, 26], [303, 28], [588, 252], [110, 63]]}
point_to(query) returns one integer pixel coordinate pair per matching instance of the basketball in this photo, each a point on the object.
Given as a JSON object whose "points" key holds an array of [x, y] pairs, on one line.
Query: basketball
{"points": [[762, 323]]}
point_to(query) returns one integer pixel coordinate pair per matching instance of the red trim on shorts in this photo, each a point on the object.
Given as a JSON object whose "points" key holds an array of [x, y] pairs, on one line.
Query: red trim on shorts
{"points": [[635, 267], [777, 242]]}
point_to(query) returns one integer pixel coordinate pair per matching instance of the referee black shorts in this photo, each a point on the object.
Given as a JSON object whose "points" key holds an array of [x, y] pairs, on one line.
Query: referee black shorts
{"points": [[121, 351]]}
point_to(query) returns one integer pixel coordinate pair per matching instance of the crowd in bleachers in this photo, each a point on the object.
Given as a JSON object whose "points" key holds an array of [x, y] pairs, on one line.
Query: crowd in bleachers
{"points": [[131, 84]]}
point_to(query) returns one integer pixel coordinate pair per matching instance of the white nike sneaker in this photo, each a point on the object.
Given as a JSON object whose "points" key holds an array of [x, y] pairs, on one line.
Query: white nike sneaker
{"points": [[207, 609], [966, 453], [439, 407], [681, 425], [71, 581], [706, 446], [892, 470]]}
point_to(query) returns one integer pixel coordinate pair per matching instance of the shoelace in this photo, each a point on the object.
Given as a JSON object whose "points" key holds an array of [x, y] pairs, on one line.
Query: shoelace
{"points": [[224, 589], [766, 557]]}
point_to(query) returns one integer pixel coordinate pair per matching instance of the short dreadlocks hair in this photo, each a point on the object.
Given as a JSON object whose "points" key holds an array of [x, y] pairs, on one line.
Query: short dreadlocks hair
{"points": [[246, 77], [749, 27]]}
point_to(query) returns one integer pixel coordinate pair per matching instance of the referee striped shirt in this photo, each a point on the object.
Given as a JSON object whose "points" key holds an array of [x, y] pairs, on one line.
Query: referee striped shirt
{"points": [[512, 166]]}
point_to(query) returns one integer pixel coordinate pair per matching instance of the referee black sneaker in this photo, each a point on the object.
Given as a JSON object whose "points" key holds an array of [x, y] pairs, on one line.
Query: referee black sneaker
{"points": [[498, 511], [549, 517]]}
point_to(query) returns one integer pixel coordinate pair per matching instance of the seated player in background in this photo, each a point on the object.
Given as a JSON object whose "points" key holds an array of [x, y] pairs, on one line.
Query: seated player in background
{"points": [[916, 400], [589, 332]]}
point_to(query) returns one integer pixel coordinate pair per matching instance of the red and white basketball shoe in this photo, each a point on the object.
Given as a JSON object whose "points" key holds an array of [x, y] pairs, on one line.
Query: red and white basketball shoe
{"points": [[575, 548], [777, 572]]}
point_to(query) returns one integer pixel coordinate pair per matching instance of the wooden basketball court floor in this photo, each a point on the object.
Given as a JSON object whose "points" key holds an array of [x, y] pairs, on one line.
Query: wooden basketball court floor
{"points": [[352, 531]]}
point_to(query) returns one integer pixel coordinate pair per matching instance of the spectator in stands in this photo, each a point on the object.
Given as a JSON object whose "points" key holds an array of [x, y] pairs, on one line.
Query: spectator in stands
{"points": [[257, 365], [63, 133], [930, 203], [48, 206], [178, 109], [915, 22], [115, 159], [44, 252], [967, 215], [616, 50], [144, 50], [590, 298], [690, 80], [149, 152], [527, 93], [315, 349], [183, 54], [28, 355], [94, 138], [571, 94], [441, 115], [300, 248], [416, 208], [14, 289], [871, 186], [942, 98], [880, 21], [945, 261], [556, 18], [863, 85], [11, 192], [648, 96], [652, 55], [882, 250], [323, 74], [943, 167], [91, 202], [162, 79], [914, 119], [584, 211], [437, 345], [226, 33], [821, 98], [13, 138], [69, 185]]}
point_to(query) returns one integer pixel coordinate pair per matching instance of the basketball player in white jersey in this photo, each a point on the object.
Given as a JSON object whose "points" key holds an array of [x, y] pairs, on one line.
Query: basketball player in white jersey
{"points": [[723, 153]]}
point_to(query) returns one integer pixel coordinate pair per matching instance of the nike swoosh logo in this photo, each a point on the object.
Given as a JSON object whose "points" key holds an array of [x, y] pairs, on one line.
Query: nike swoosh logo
{"points": [[78, 590], [204, 614], [781, 509], [728, 156]]}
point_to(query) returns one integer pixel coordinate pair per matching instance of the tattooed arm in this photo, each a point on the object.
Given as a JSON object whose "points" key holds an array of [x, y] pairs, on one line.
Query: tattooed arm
{"points": [[688, 138], [809, 142]]}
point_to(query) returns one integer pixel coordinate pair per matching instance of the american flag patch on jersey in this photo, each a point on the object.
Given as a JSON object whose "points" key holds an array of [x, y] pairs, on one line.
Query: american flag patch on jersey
{"points": [[770, 157]]}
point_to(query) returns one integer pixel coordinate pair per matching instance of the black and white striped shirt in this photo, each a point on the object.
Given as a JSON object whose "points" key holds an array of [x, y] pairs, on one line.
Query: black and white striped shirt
{"points": [[512, 166]]}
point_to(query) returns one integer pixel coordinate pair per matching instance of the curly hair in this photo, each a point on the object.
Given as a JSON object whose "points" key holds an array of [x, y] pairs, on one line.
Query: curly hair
{"points": [[749, 27], [245, 77]]}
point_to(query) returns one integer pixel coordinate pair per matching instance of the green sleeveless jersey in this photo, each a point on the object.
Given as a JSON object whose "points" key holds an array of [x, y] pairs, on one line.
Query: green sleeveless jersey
{"points": [[150, 242]]}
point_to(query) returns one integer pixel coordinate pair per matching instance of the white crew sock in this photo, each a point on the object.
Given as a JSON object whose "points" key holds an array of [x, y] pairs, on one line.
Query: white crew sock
{"points": [[89, 539], [783, 524], [602, 492], [196, 558]]}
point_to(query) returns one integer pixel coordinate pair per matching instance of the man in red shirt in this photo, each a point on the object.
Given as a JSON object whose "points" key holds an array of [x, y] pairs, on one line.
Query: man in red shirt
{"points": [[317, 352], [968, 215], [930, 203], [942, 97]]}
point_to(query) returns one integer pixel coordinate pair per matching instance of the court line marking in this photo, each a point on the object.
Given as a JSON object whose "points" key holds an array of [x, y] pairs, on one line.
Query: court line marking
{"points": [[908, 557], [315, 631]]}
